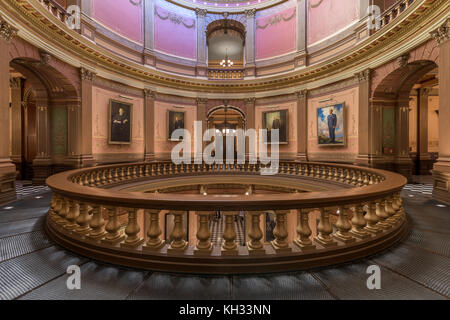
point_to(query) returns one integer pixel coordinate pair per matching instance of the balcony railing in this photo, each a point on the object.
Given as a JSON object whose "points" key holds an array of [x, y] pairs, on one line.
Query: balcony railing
{"points": [[89, 215], [226, 74], [394, 11]]}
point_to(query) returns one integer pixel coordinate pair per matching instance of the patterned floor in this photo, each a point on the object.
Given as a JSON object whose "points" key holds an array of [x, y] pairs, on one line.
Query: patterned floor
{"points": [[420, 188], [217, 228], [33, 267], [25, 189]]}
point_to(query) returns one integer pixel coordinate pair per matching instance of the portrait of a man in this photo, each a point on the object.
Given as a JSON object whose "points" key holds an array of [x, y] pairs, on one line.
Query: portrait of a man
{"points": [[119, 122], [276, 120], [330, 125], [176, 121]]}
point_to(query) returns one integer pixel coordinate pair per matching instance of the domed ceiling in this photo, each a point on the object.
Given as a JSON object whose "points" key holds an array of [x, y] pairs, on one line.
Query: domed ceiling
{"points": [[227, 4]]}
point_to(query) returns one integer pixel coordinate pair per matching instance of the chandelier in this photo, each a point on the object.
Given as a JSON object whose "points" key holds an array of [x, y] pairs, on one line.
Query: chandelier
{"points": [[226, 63]]}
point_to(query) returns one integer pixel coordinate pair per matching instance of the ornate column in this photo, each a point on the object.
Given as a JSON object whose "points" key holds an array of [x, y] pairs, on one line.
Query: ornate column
{"points": [[201, 116], [7, 168], [365, 134], [300, 58], [423, 157], [250, 66], [149, 20], [42, 163], [302, 125], [201, 68], [16, 122], [441, 172], [87, 78], [149, 120], [403, 163], [250, 105]]}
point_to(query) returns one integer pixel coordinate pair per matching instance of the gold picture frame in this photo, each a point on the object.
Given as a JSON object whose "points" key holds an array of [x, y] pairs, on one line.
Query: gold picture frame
{"points": [[120, 124]]}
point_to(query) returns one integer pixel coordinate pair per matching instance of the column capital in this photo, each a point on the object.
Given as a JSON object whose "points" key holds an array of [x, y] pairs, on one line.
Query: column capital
{"points": [[442, 33], [7, 31], [148, 93], [250, 13], [402, 61], [201, 100], [86, 74], [363, 75], [201, 13], [302, 94], [250, 100], [45, 57], [15, 83]]}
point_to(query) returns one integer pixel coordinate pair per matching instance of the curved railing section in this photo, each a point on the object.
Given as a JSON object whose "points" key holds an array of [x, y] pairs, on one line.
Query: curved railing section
{"points": [[90, 216]]}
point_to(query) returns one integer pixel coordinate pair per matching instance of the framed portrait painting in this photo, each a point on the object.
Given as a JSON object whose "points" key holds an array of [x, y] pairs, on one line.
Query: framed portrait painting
{"points": [[331, 125], [175, 121], [276, 120], [120, 121]]}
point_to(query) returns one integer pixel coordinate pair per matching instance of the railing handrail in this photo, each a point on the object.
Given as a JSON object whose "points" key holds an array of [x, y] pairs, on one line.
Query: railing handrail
{"points": [[62, 185]]}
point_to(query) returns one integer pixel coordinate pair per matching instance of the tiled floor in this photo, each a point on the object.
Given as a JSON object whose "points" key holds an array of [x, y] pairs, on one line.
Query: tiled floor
{"points": [[32, 267]]}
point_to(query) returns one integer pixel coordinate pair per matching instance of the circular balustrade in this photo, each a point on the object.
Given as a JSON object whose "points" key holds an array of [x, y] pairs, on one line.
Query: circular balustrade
{"points": [[94, 213]]}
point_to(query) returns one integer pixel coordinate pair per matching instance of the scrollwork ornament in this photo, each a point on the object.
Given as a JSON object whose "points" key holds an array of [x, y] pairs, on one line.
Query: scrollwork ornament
{"points": [[7, 31], [442, 33]]}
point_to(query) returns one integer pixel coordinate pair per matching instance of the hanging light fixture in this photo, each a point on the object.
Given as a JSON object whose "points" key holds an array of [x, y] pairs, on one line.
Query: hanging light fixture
{"points": [[226, 63]]}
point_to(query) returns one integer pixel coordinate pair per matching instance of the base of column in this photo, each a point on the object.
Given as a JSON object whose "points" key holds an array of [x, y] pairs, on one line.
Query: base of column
{"points": [[441, 177], [81, 161], [42, 169], [303, 157], [424, 165], [7, 182], [404, 166], [250, 71], [149, 157]]}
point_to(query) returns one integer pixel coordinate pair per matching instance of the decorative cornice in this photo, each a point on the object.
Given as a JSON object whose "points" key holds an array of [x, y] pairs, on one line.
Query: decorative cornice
{"points": [[363, 75], [7, 31], [86, 74], [403, 60], [15, 83], [442, 33]]}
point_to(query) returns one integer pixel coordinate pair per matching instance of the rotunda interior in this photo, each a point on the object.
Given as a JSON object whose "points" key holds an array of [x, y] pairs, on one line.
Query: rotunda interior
{"points": [[189, 139]]}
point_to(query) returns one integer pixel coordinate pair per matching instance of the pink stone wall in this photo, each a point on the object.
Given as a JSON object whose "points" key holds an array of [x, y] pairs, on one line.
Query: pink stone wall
{"points": [[100, 111], [350, 151], [175, 34], [329, 17], [276, 34], [120, 16]]}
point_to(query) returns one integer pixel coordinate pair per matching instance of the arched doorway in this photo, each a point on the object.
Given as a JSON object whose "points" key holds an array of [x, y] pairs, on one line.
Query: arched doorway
{"points": [[226, 120], [393, 104]]}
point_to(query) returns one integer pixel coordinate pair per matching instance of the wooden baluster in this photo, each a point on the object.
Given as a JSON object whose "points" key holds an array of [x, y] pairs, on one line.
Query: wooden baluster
{"points": [[359, 223], [304, 232], [98, 178], [178, 244], [343, 226], [372, 219], [97, 223], [57, 208], [255, 246], [154, 242], [204, 245], [110, 176], [390, 211], [325, 229], [83, 219], [63, 212], [229, 245], [113, 234], [92, 179], [381, 213], [281, 244], [132, 230], [72, 215]]}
